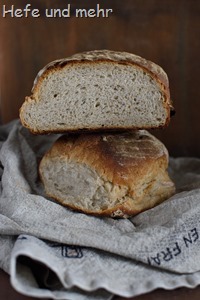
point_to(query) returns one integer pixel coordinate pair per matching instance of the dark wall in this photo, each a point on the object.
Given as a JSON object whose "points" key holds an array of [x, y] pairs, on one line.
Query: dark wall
{"points": [[166, 32]]}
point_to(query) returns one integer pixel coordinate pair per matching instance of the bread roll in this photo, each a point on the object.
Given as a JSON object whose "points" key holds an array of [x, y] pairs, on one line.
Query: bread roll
{"points": [[98, 90], [117, 175]]}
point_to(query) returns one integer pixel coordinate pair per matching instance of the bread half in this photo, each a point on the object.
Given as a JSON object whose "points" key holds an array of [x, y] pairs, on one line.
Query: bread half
{"points": [[117, 175], [98, 90]]}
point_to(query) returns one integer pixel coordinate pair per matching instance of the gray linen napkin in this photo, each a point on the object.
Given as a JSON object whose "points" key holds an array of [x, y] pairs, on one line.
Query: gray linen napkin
{"points": [[83, 257]]}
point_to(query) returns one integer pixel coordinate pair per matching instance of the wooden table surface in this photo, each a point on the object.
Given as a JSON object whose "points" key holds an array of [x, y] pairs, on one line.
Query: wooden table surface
{"points": [[8, 293]]}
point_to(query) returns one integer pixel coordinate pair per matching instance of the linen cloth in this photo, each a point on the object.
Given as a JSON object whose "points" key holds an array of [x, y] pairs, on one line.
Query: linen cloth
{"points": [[51, 251]]}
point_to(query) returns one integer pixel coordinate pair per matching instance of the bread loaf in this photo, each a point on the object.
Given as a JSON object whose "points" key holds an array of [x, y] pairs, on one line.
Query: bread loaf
{"points": [[98, 90], [117, 175]]}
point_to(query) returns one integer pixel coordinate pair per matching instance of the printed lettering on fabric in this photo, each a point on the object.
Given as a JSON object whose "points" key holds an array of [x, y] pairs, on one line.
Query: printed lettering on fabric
{"points": [[170, 253]]}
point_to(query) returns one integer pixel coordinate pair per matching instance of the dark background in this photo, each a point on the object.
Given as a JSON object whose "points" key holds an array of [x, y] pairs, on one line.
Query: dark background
{"points": [[166, 32]]}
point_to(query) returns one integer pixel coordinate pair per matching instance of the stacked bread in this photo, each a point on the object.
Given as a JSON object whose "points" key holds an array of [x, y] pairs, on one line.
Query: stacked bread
{"points": [[106, 162]]}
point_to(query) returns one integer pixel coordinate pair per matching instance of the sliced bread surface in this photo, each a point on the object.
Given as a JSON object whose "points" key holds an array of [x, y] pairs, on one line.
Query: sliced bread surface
{"points": [[98, 90], [117, 175]]}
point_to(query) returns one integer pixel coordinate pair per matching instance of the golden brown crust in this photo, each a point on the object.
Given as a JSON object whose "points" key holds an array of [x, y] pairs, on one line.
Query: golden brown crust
{"points": [[96, 57], [108, 56], [135, 160], [115, 156], [124, 210]]}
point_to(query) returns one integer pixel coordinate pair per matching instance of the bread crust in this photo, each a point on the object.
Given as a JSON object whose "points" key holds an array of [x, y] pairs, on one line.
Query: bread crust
{"points": [[107, 56], [135, 161], [97, 57]]}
